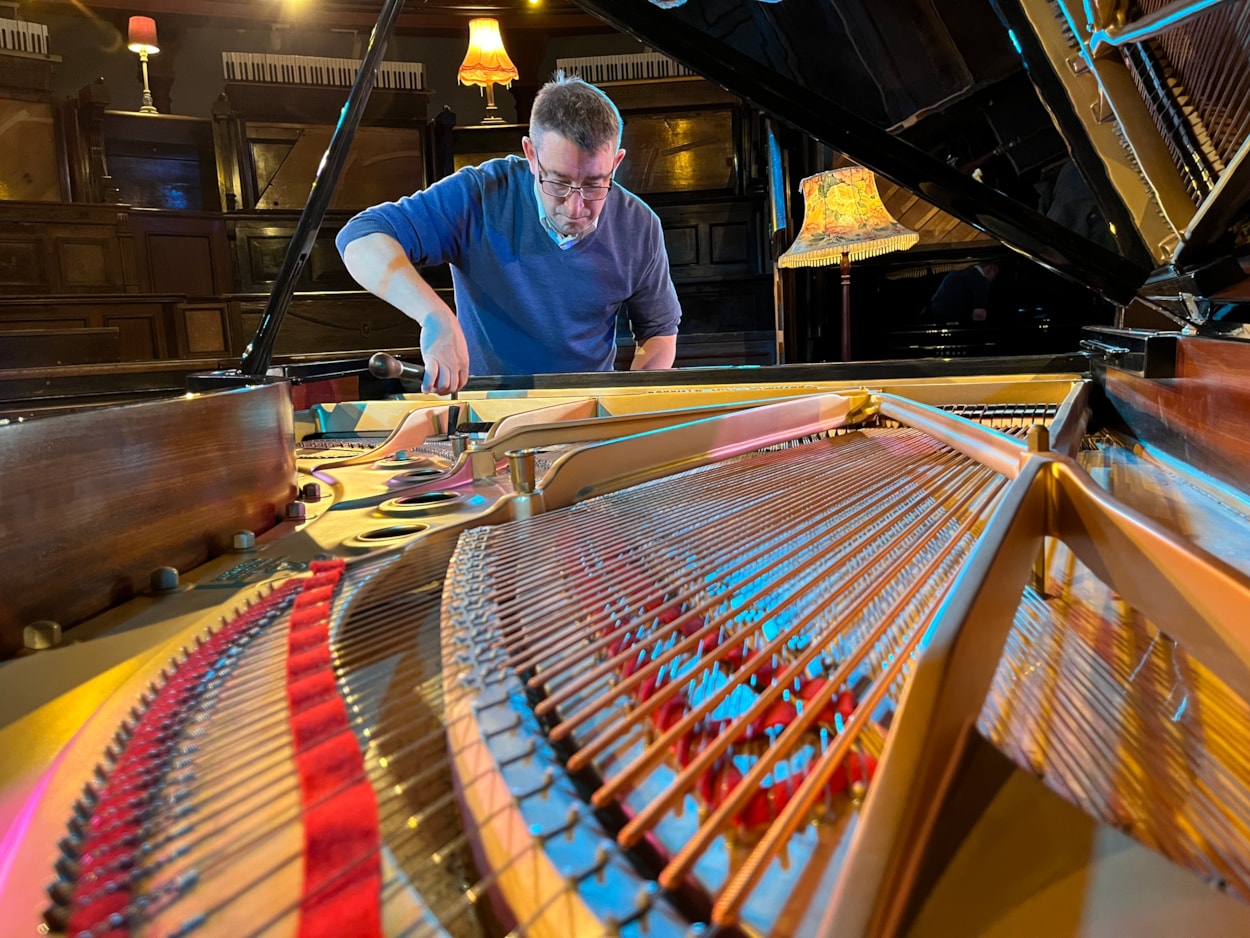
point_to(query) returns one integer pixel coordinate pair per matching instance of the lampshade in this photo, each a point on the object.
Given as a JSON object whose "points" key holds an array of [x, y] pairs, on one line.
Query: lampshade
{"points": [[486, 61], [843, 214], [142, 35]]}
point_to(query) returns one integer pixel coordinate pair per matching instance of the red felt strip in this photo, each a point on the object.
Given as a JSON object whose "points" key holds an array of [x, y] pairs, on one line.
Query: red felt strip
{"points": [[342, 870], [103, 886]]}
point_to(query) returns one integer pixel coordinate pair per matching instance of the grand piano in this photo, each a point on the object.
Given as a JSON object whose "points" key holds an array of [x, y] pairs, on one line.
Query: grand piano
{"points": [[880, 648]]}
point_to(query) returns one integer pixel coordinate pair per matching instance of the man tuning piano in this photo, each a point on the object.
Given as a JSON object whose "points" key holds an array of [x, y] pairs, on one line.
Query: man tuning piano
{"points": [[543, 250]]}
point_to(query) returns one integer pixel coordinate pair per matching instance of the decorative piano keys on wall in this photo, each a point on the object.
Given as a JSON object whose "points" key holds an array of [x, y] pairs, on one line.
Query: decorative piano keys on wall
{"points": [[318, 70], [638, 66], [21, 36]]}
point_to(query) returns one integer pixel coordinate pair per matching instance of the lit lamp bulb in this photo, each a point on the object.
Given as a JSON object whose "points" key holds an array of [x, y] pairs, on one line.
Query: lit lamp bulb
{"points": [[142, 39]]}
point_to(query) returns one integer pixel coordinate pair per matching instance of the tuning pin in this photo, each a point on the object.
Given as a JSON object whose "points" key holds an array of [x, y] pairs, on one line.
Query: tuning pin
{"points": [[70, 847], [66, 868], [60, 892], [56, 918]]}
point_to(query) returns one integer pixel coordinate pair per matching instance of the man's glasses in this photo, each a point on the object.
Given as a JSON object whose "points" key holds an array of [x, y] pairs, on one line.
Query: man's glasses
{"points": [[561, 190]]}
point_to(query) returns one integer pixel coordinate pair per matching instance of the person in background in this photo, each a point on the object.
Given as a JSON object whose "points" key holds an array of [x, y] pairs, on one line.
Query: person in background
{"points": [[964, 295], [544, 250]]}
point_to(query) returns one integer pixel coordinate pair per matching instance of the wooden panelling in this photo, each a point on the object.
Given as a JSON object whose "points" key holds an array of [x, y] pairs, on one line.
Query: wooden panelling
{"points": [[261, 244], [1202, 416], [21, 264], [34, 320], [140, 514], [710, 241], [731, 244], [28, 164], [206, 330], [37, 348], [142, 323], [682, 244], [731, 305], [182, 252], [49, 248], [142, 334], [89, 263], [264, 257], [181, 263], [332, 323]]}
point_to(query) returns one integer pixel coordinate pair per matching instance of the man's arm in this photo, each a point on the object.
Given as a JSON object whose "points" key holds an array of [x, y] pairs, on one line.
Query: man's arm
{"points": [[655, 353], [378, 263]]}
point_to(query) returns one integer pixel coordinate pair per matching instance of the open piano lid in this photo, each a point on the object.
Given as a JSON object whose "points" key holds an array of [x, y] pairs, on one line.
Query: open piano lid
{"points": [[1112, 154]]}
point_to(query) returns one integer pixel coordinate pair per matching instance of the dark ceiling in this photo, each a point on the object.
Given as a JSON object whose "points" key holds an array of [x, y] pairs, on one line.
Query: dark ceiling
{"points": [[431, 17]]}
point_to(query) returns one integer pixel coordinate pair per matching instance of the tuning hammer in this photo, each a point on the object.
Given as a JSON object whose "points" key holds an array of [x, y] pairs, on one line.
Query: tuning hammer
{"points": [[382, 365]]}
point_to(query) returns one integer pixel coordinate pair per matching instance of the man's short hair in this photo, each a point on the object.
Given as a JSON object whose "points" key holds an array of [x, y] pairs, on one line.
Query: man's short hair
{"points": [[577, 111]]}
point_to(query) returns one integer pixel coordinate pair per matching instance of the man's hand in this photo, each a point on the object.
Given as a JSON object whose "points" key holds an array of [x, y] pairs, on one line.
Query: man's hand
{"points": [[444, 353], [979, 315]]}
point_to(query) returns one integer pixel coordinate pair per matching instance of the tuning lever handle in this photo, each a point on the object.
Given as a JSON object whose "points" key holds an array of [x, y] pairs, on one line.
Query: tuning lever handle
{"points": [[383, 365]]}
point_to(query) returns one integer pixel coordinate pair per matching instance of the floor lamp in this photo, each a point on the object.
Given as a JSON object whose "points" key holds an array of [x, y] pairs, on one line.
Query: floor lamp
{"points": [[843, 221]]}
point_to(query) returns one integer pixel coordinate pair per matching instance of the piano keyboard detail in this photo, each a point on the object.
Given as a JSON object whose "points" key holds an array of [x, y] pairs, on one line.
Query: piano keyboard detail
{"points": [[20, 36], [317, 70], [642, 66]]}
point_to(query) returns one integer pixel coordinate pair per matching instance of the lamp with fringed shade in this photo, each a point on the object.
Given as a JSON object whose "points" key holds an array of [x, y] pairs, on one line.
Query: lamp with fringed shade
{"points": [[141, 38], [844, 220], [486, 63]]}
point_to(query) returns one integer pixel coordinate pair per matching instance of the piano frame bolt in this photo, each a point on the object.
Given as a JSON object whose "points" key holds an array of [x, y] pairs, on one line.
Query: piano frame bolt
{"points": [[164, 579], [521, 468], [295, 511], [243, 540], [310, 492], [41, 634]]}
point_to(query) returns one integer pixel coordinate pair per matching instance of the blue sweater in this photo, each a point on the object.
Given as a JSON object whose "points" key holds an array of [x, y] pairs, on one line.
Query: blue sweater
{"points": [[525, 305]]}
